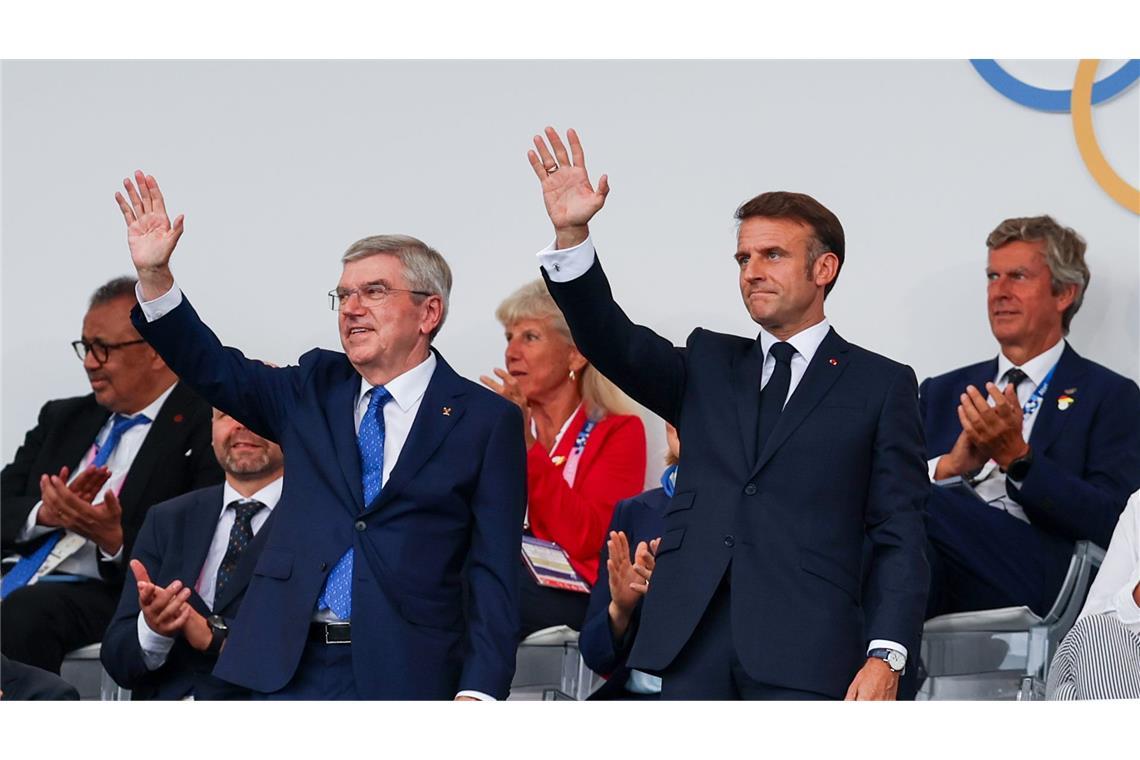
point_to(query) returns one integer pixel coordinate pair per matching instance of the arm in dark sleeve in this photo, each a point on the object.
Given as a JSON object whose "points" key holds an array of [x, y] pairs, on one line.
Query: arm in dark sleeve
{"points": [[601, 652], [639, 361], [1087, 506], [257, 395], [493, 568], [19, 486], [899, 576]]}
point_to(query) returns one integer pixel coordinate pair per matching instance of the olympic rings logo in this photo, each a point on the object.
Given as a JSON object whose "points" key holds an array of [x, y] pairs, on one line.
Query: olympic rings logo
{"points": [[1078, 101]]}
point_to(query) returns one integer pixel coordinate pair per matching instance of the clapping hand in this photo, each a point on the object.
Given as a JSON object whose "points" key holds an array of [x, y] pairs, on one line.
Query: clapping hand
{"points": [[571, 201], [100, 523], [629, 579], [509, 389], [996, 428]]}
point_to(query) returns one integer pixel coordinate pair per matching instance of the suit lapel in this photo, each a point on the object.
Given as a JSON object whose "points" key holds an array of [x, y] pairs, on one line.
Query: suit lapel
{"points": [[746, 374], [342, 426], [75, 448], [240, 579], [441, 408], [167, 434], [198, 533], [825, 368], [1051, 418]]}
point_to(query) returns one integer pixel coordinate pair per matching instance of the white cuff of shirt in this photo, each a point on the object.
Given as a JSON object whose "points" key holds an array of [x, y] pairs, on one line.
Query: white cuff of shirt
{"points": [[886, 644], [932, 467], [155, 647], [161, 306], [31, 530], [117, 557], [477, 695], [567, 264]]}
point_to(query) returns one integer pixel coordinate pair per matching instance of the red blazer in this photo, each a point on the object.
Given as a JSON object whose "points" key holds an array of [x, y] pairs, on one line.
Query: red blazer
{"points": [[611, 468]]}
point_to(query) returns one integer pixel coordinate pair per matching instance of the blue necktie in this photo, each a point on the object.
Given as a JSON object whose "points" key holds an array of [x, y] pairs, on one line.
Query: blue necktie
{"points": [[26, 568], [337, 593]]}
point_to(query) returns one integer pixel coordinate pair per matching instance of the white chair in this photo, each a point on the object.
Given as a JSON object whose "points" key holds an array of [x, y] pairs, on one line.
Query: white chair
{"points": [[1003, 653], [549, 667], [82, 669]]}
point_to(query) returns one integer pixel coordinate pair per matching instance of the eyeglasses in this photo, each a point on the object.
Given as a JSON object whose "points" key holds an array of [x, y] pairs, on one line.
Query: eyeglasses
{"points": [[100, 349], [371, 294]]}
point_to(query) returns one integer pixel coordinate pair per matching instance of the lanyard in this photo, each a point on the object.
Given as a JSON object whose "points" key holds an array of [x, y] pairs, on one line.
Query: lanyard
{"points": [[1034, 401], [669, 480]]}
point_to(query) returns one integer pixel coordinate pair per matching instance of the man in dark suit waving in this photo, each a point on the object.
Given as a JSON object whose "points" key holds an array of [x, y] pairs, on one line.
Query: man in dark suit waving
{"points": [[405, 484], [797, 446]]}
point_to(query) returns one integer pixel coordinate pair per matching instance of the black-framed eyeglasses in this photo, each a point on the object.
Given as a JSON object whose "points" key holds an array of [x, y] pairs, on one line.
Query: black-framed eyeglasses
{"points": [[100, 349], [371, 294]]}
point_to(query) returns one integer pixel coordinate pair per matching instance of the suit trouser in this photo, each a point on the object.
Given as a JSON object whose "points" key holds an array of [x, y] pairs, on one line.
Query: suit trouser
{"points": [[24, 682], [982, 558], [708, 667], [325, 672], [41, 623]]}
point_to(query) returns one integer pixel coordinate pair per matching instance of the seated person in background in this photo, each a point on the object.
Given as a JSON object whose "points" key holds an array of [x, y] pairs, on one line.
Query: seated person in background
{"points": [[20, 682], [585, 451], [1100, 657], [140, 438], [1052, 453], [171, 623], [615, 601]]}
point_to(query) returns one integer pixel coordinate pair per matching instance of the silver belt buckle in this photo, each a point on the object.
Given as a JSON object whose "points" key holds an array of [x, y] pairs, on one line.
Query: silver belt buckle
{"points": [[329, 627]]}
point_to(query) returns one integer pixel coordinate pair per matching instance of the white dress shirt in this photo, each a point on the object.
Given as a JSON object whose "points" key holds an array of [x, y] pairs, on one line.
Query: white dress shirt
{"points": [[83, 560], [1111, 592], [407, 392], [990, 482], [571, 263], [156, 647]]}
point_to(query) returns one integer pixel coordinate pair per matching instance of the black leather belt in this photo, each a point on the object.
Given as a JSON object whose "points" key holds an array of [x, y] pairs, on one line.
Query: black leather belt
{"points": [[331, 633]]}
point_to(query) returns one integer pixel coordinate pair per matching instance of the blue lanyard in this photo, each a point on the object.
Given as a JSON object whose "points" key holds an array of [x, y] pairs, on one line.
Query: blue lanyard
{"points": [[1034, 401], [669, 480], [584, 435]]}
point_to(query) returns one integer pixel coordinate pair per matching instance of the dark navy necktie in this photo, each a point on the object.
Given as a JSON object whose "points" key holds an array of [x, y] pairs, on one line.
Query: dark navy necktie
{"points": [[775, 393], [240, 535]]}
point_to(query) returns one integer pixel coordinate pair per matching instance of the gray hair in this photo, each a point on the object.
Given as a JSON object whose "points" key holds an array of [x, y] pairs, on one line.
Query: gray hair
{"points": [[1064, 251], [120, 287], [533, 301], [424, 268]]}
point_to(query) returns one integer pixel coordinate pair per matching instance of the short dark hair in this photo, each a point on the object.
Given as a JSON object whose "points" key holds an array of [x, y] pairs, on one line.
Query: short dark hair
{"points": [[120, 287], [826, 229]]}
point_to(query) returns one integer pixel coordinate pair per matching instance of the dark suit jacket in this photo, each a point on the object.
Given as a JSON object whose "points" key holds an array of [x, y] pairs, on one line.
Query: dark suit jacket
{"points": [[846, 460], [1086, 458], [450, 512], [172, 545], [641, 518], [175, 457]]}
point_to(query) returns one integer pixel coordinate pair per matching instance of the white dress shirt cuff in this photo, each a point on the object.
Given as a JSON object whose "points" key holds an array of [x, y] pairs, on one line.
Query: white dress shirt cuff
{"points": [[30, 529], [476, 695], [155, 647], [886, 644], [568, 264], [117, 557], [932, 467], [161, 306]]}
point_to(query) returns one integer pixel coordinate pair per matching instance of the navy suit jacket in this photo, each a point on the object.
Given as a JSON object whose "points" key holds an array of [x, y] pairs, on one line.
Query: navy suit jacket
{"points": [[448, 516], [845, 461], [172, 545], [1086, 458], [641, 518]]}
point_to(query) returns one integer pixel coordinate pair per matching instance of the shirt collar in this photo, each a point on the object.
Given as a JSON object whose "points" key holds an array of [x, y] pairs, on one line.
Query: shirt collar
{"points": [[806, 341], [152, 409], [269, 495], [1037, 367], [407, 389]]}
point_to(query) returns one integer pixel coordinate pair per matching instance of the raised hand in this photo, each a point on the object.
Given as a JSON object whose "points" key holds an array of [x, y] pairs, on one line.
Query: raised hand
{"points": [[150, 235], [571, 201]]}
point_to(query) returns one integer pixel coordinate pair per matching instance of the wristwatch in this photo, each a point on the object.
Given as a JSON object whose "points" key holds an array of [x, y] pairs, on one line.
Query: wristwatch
{"points": [[1019, 467], [895, 660], [218, 630]]}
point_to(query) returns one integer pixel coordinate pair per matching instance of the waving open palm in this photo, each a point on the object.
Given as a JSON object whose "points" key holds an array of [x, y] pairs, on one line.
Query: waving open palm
{"points": [[571, 200], [150, 235]]}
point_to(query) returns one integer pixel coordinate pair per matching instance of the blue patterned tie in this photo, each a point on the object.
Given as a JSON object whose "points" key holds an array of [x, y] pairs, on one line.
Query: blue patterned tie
{"points": [[337, 593], [26, 568]]}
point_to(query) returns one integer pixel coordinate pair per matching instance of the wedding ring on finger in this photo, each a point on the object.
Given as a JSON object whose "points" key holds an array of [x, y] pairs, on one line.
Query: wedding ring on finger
{"points": [[550, 169]]}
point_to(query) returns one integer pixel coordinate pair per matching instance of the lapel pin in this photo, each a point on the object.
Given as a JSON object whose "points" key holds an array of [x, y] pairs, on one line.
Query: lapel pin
{"points": [[178, 418], [447, 411], [1070, 391], [833, 362], [1064, 401]]}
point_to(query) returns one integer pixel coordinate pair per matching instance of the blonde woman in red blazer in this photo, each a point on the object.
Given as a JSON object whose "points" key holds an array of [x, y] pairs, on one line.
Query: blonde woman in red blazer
{"points": [[585, 449]]}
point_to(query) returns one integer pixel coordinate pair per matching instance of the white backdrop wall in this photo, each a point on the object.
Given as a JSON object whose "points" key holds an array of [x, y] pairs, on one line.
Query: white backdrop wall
{"points": [[278, 166]]}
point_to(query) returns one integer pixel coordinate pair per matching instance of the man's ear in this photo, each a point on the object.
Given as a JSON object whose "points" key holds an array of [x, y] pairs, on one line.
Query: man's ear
{"points": [[825, 269], [433, 314]]}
